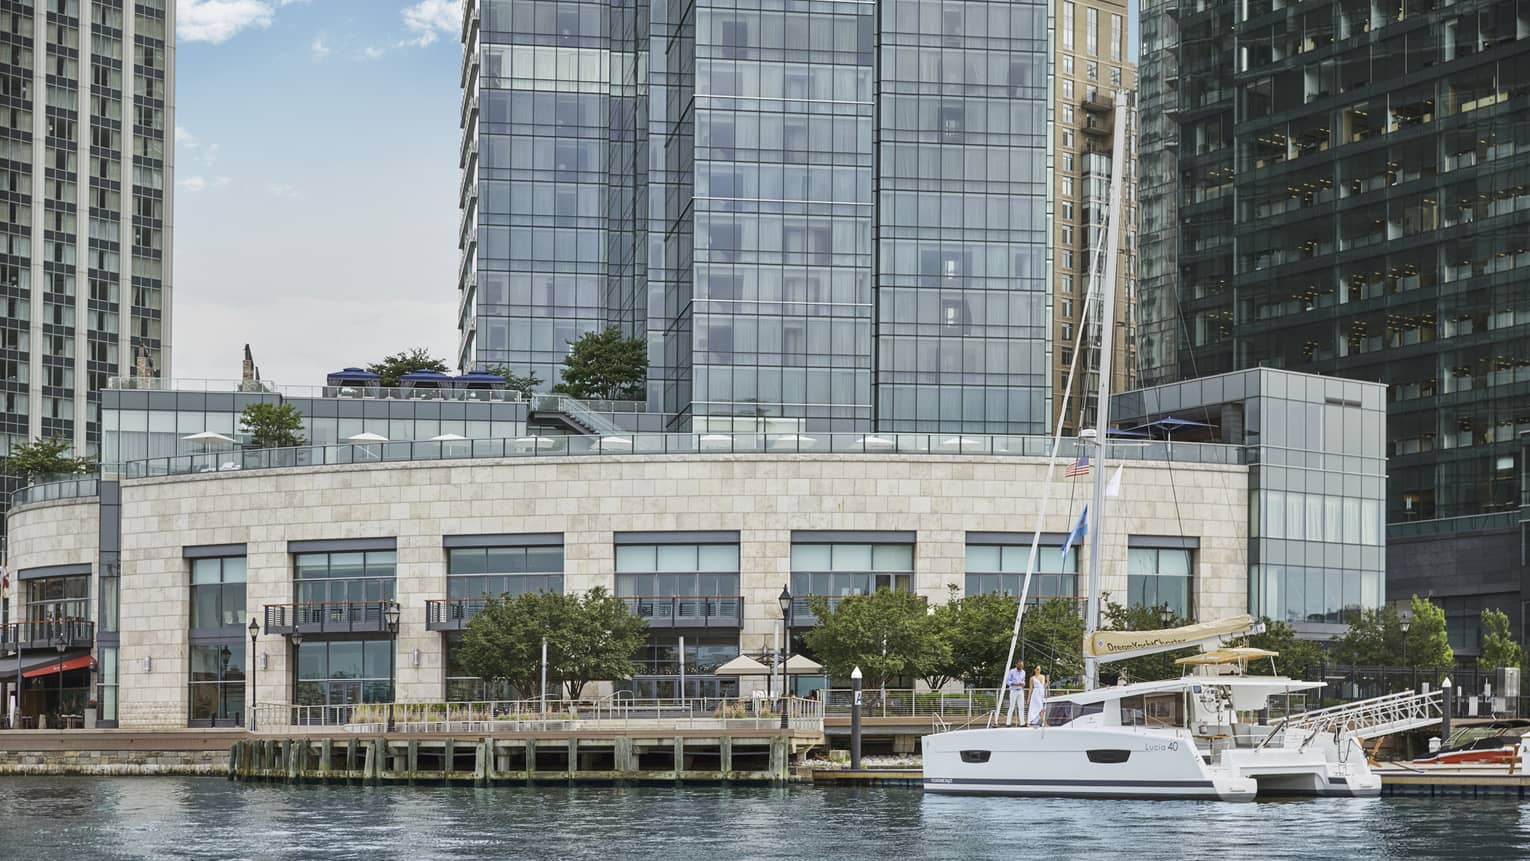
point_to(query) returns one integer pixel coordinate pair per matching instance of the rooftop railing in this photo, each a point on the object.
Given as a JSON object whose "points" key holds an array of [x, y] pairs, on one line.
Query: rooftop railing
{"points": [[359, 390], [938, 445], [69, 488]]}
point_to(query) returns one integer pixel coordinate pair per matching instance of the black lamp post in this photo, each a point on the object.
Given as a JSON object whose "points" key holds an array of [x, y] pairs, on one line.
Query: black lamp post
{"points": [[61, 644], [225, 657], [786, 652], [390, 617], [1165, 615], [254, 667]]}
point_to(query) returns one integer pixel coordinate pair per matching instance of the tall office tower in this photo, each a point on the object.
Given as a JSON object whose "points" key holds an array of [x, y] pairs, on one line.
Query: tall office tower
{"points": [[86, 99], [1353, 199], [1090, 64], [826, 216]]}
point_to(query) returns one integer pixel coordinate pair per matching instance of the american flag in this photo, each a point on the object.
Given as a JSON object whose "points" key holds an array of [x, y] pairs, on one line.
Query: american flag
{"points": [[1078, 467]]}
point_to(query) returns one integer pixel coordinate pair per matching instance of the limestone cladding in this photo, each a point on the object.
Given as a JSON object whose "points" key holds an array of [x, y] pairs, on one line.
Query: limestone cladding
{"points": [[63, 532], [762, 497]]}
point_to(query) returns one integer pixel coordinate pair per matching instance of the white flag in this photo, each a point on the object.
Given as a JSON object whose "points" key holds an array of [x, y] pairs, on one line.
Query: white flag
{"points": [[1113, 487]]}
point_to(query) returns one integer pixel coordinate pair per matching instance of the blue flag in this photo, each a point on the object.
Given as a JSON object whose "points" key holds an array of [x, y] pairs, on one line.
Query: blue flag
{"points": [[1080, 529]]}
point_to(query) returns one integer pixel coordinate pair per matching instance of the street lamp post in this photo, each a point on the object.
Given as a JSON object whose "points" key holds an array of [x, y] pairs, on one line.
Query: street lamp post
{"points": [[297, 643], [1165, 615], [254, 669], [225, 657], [62, 645], [1404, 624], [786, 652], [391, 616]]}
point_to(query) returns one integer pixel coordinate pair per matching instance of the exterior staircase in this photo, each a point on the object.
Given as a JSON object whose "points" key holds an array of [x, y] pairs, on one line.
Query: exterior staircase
{"points": [[1365, 719], [572, 414]]}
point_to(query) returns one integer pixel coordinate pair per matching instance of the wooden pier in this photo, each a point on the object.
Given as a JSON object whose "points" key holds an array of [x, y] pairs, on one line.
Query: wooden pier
{"points": [[1480, 781], [690, 756]]}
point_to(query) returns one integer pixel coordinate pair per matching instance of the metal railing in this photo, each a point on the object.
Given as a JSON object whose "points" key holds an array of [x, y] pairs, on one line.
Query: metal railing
{"points": [[44, 634], [611, 713], [357, 390], [337, 617], [907, 703], [1476, 691], [659, 444], [1365, 719], [680, 611], [69, 488], [453, 614], [577, 411]]}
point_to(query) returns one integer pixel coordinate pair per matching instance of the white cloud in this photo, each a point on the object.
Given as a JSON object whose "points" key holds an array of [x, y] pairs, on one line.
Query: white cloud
{"points": [[427, 20], [372, 53], [222, 181], [318, 50], [185, 138], [191, 183], [282, 189], [220, 20]]}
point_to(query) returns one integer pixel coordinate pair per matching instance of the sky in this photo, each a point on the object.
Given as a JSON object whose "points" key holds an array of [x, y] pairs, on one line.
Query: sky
{"points": [[316, 172], [316, 214]]}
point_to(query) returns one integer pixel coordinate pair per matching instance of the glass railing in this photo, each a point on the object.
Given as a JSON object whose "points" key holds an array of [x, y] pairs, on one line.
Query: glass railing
{"points": [[71, 488], [357, 390], [934, 445]]}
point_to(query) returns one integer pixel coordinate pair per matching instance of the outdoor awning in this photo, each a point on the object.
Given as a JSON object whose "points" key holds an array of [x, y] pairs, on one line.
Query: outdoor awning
{"points": [[34, 666], [743, 665], [801, 664]]}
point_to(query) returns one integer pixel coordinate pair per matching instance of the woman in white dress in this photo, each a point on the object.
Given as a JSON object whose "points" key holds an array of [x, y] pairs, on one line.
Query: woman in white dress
{"points": [[1038, 697]]}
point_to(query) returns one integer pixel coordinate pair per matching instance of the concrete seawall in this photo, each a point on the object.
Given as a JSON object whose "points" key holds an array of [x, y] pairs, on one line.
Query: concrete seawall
{"points": [[116, 753]]}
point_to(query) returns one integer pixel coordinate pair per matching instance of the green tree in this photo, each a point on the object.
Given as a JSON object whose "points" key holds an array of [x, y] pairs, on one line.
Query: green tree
{"points": [[605, 365], [42, 458], [395, 366], [1297, 656], [1054, 638], [525, 384], [1376, 638], [978, 629], [589, 638], [272, 425], [1498, 646], [1148, 667], [890, 635]]}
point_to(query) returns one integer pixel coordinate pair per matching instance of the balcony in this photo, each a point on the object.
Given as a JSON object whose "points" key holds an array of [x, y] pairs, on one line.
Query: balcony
{"points": [[77, 634], [347, 617], [452, 614], [688, 611]]}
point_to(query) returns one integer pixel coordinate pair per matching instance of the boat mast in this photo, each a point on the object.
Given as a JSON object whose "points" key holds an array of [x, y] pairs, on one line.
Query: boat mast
{"points": [[1103, 286]]}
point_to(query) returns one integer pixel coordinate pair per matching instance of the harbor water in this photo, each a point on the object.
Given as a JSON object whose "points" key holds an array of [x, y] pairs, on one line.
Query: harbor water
{"points": [[205, 818]]}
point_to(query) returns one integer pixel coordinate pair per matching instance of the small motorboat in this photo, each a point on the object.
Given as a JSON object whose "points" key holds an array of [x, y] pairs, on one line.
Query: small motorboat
{"points": [[1496, 743]]}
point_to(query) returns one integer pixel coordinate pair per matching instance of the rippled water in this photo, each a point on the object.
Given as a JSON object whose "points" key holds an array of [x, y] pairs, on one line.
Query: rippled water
{"points": [[55, 818]]}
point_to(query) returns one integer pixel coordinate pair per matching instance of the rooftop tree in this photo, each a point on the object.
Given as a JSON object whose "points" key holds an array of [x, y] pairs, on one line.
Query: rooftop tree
{"points": [[42, 458], [606, 366], [525, 384], [272, 425], [395, 366]]}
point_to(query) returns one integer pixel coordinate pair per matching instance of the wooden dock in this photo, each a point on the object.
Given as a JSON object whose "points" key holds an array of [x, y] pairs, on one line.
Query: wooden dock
{"points": [[1403, 779], [691, 756]]}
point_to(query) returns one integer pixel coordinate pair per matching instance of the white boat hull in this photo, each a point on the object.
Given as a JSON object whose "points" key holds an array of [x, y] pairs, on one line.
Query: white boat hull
{"points": [[1127, 763]]}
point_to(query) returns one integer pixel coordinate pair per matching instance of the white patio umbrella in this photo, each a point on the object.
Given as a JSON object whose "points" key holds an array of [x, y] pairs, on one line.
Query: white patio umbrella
{"points": [[615, 442], [208, 437], [961, 441], [870, 442], [802, 664], [535, 441], [743, 665], [366, 436], [448, 437], [792, 439]]}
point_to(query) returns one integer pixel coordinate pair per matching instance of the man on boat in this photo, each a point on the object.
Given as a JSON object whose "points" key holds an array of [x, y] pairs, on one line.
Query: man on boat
{"points": [[1014, 682]]}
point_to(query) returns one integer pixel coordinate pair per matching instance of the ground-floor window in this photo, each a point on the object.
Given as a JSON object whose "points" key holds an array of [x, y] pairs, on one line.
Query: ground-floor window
{"points": [[464, 687], [106, 683], [344, 672], [216, 687], [1157, 577]]}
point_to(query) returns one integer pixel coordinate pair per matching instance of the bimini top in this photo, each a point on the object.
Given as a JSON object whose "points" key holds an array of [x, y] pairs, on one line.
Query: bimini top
{"points": [[1244, 688], [1234, 655]]}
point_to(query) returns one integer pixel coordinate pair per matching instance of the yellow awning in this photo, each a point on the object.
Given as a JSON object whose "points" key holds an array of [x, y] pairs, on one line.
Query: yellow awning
{"points": [[1104, 644], [1238, 655]]}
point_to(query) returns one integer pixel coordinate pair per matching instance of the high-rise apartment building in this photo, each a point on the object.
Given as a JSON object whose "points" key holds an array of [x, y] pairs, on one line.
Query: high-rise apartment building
{"points": [[86, 172], [1344, 188], [828, 215], [1091, 62]]}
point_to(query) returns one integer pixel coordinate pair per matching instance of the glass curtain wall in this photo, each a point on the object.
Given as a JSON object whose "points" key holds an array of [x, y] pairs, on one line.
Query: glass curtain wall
{"points": [[216, 682], [993, 568], [1159, 577], [354, 577]]}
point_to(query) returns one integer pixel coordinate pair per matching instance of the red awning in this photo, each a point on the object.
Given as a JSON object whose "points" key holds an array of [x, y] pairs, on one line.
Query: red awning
{"points": [[79, 663]]}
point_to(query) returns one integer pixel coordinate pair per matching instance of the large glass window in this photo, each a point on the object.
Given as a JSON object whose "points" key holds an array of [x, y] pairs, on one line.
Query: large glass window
{"points": [[216, 687], [677, 569], [352, 577], [851, 569], [474, 572], [58, 598], [1155, 577], [344, 672], [659, 666], [217, 592], [1001, 568]]}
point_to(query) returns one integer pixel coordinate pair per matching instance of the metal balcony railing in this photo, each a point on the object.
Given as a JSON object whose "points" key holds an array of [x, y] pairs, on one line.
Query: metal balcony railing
{"points": [[45, 634], [688, 611], [452, 614], [341, 617]]}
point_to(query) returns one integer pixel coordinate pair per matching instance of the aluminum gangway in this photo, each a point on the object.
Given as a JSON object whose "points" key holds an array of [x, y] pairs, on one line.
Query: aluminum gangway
{"points": [[1365, 719]]}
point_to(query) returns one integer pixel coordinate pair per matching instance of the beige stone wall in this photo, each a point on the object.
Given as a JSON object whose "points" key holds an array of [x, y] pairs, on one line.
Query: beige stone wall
{"points": [[763, 497], [62, 532]]}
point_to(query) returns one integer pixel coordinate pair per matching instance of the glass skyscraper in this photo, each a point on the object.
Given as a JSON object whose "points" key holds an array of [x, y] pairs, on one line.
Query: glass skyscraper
{"points": [[819, 215], [86, 168], [1344, 188]]}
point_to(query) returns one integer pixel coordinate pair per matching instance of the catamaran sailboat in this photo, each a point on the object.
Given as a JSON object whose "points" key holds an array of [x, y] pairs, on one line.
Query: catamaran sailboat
{"points": [[1198, 736]]}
